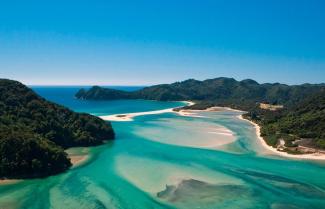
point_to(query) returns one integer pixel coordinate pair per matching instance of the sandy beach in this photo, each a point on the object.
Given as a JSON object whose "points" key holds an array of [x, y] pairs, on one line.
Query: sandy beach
{"points": [[77, 160], [78, 156], [314, 156], [130, 116], [194, 113], [189, 113], [9, 181]]}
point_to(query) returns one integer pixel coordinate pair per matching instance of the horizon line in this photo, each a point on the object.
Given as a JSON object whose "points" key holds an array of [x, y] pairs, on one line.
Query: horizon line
{"points": [[170, 82]]}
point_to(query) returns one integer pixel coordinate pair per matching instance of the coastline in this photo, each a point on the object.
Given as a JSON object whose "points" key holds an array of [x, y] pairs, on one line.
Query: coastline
{"points": [[9, 181], [75, 159], [78, 156], [78, 160], [130, 116], [313, 156], [192, 113]]}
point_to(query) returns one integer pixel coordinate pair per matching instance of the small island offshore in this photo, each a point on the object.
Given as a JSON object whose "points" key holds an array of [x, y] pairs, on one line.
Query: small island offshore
{"points": [[292, 118], [34, 133]]}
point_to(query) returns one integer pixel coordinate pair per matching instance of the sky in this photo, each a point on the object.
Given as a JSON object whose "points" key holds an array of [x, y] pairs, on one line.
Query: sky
{"points": [[144, 42]]}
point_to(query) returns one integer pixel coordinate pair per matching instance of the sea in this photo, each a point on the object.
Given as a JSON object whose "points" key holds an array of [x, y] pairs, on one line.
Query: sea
{"points": [[207, 160]]}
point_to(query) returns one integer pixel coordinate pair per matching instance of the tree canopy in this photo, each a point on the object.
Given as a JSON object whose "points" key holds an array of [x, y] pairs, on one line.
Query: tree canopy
{"points": [[302, 116], [34, 132]]}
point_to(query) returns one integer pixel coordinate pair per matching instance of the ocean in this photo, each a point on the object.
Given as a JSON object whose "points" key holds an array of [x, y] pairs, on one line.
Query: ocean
{"points": [[212, 160]]}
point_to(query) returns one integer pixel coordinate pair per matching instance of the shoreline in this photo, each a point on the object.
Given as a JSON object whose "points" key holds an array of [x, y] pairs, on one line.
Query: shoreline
{"points": [[130, 116], [312, 156], [10, 181], [78, 156], [76, 161], [191, 113]]}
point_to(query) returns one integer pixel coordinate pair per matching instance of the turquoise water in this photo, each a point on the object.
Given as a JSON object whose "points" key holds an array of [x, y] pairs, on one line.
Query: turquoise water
{"points": [[171, 161]]}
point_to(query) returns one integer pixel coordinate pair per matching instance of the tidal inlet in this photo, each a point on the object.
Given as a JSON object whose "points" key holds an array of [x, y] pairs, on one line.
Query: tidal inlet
{"points": [[208, 159], [164, 104]]}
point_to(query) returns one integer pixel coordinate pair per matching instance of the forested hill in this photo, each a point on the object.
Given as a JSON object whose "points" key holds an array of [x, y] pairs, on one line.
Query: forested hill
{"points": [[222, 91], [34, 132], [300, 120], [303, 124]]}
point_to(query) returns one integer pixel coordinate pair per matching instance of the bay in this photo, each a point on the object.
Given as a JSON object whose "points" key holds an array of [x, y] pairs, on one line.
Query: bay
{"points": [[171, 161]]}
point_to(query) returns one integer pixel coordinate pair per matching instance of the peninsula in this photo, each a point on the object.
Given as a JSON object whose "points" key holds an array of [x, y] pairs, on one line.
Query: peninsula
{"points": [[292, 117]]}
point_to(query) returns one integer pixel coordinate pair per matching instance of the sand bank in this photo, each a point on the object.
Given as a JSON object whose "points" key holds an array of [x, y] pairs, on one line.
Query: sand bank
{"points": [[194, 113], [78, 155], [77, 160], [312, 156], [130, 116], [9, 181], [189, 113]]}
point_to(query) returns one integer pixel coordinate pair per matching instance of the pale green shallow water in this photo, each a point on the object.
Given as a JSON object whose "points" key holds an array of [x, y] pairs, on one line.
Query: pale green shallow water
{"points": [[158, 150]]}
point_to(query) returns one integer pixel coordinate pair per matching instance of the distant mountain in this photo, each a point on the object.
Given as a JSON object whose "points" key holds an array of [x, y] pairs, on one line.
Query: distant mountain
{"points": [[98, 93], [302, 116], [34, 132], [222, 91]]}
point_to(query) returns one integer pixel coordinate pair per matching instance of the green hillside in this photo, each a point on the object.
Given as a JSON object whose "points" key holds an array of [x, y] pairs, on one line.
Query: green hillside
{"points": [[34, 132], [301, 118], [226, 91], [306, 120]]}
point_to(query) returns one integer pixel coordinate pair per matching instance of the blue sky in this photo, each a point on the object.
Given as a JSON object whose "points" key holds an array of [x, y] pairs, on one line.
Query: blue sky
{"points": [[149, 42]]}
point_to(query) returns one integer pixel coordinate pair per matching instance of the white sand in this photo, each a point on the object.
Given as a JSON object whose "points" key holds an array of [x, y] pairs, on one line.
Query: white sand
{"points": [[130, 116], [220, 133], [78, 156], [218, 108], [193, 113], [77, 160], [189, 113], [313, 156]]}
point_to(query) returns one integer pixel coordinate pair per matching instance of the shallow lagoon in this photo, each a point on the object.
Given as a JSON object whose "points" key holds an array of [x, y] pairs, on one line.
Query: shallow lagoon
{"points": [[166, 161]]}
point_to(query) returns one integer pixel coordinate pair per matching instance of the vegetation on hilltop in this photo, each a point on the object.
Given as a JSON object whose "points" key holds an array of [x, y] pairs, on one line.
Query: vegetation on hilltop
{"points": [[305, 120], [302, 115], [226, 91], [34, 132], [98, 93]]}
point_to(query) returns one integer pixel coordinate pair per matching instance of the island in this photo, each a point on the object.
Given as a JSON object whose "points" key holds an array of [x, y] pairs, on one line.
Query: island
{"points": [[291, 117], [34, 133]]}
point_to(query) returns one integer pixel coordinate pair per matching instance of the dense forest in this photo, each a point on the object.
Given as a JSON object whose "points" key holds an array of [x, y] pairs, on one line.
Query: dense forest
{"points": [[301, 118], [34, 132], [218, 90], [301, 123]]}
